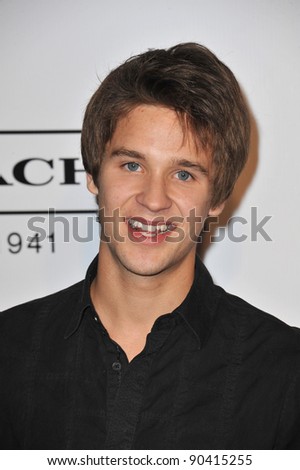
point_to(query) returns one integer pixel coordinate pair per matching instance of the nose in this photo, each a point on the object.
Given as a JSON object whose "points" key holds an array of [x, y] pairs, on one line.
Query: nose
{"points": [[154, 195]]}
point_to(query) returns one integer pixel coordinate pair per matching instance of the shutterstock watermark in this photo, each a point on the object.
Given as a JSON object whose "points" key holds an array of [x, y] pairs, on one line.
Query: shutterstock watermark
{"points": [[115, 227], [256, 228]]}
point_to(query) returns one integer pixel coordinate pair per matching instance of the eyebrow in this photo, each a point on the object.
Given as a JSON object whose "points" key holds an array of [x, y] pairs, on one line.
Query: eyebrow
{"points": [[189, 164], [123, 152], [182, 162]]}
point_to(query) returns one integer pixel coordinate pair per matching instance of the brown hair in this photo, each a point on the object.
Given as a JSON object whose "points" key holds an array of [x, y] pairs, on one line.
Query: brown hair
{"points": [[189, 79]]}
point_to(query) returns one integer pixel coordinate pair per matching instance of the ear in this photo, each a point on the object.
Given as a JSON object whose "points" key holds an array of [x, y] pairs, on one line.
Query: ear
{"points": [[91, 185], [214, 212]]}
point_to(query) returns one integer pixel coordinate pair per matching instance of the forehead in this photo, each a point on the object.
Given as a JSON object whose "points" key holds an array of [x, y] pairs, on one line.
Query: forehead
{"points": [[154, 127]]}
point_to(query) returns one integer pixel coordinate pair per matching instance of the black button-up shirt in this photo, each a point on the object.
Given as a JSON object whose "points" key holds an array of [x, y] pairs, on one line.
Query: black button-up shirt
{"points": [[216, 373]]}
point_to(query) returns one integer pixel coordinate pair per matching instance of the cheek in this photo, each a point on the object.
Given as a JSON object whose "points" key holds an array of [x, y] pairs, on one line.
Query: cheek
{"points": [[195, 202], [111, 198]]}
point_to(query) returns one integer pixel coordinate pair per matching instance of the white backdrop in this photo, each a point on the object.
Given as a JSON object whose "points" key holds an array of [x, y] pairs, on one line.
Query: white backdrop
{"points": [[52, 56]]}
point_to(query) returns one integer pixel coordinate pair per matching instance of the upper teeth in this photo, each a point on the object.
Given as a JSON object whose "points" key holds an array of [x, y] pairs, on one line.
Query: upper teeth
{"points": [[149, 228]]}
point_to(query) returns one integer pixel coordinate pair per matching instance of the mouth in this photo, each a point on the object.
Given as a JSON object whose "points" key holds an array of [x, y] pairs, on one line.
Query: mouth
{"points": [[148, 228]]}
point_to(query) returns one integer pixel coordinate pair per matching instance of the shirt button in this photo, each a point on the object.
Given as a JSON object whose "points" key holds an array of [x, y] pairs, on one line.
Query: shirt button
{"points": [[116, 366]]}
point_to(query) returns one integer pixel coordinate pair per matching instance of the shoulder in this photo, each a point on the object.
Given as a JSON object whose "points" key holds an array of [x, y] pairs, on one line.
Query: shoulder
{"points": [[261, 329], [21, 318]]}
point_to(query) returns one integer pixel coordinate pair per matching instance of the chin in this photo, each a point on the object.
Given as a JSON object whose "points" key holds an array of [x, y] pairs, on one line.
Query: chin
{"points": [[144, 269], [147, 265]]}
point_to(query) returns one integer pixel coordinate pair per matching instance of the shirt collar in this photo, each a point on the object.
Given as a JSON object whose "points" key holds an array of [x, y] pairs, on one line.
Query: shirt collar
{"points": [[199, 307], [85, 301], [197, 310]]}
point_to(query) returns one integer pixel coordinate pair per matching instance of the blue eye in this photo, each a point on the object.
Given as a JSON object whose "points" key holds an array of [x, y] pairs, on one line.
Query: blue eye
{"points": [[183, 175], [132, 166]]}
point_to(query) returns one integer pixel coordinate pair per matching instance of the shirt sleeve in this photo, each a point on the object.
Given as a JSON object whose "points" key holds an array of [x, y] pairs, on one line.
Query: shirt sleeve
{"points": [[8, 388], [288, 436]]}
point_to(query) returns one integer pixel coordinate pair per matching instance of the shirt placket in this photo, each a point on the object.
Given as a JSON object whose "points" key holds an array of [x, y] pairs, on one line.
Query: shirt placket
{"points": [[126, 385]]}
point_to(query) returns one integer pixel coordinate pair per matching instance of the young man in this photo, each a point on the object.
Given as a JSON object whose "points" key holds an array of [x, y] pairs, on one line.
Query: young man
{"points": [[146, 352]]}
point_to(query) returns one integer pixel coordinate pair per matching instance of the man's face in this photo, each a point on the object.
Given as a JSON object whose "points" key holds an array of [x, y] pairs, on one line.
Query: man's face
{"points": [[154, 184]]}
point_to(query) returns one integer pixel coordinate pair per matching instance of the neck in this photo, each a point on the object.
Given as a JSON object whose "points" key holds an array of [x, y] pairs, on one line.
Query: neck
{"points": [[128, 304]]}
